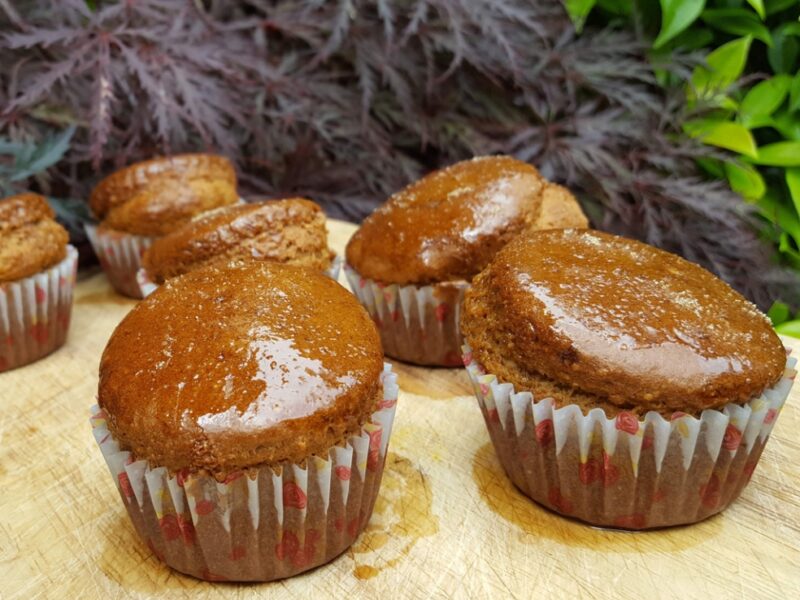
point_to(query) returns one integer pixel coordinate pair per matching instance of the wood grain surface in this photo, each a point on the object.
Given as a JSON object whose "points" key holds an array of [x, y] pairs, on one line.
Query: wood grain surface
{"points": [[447, 524]]}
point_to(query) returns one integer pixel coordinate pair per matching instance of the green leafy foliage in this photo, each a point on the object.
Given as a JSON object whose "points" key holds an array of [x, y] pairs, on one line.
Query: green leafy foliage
{"points": [[20, 162], [677, 15], [743, 97]]}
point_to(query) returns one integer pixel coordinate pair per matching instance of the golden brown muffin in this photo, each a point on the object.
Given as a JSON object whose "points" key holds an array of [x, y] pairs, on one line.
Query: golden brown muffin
{"points": [[560, 210], [31, 240], [449, 224], [598, 320], [231, 367], [290, 231], [154, 197]]}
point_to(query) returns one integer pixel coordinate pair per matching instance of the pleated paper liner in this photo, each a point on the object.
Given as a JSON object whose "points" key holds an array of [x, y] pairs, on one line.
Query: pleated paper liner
{"points": [[626, 472], [120, 255], [147, 286], [35, 313], [261, 524], [418, 324]]}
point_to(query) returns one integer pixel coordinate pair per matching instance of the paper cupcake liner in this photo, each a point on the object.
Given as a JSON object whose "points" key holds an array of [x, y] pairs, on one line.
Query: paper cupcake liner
{"points": [[120, 255], [147, 286], [35, 313], [626, 472], [418, 324], [263, 523]]}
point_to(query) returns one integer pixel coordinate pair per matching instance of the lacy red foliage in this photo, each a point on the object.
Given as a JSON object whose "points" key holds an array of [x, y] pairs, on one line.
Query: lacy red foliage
{"points": [[346, 101]]}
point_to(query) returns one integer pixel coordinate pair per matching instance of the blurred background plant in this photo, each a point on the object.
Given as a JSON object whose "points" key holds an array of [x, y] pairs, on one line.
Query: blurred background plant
{"points": [[743, 98], [347, 101]]}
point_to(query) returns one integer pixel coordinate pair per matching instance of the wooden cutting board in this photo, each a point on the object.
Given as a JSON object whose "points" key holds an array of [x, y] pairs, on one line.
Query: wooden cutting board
{"points": [[448, 522]]}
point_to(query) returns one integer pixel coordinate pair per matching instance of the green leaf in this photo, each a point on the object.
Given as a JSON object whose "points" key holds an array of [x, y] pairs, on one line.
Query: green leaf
{"points": [[774, 6], [782, 55], [758, 6], [693, 38], [44, 156], [712, 166], [737, 21], [794, 93], [617, 7], [793, 183], [764, 98], [791, 28], [677, 15], [788, 124], [578, 11], [785, 217], [790, 328], [723, 134], [779, 154], [726, 64], [745, 180], [778, 313]]}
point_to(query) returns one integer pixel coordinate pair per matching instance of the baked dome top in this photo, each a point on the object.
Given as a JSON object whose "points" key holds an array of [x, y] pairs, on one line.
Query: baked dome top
{"points": [[290, 231], [31, 240], [619, 320], [157, 196], [449, 224], [230, 367]]}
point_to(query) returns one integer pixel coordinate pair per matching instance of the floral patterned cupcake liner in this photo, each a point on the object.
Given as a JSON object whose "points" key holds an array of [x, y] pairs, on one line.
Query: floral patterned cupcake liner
{"points": [[120, 255], [147, 286], [263, 523], [626, 472], [418, 324], [35, 313]]}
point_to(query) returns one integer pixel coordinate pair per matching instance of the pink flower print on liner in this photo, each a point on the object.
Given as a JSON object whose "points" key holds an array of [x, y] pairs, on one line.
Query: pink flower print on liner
{"points": [[710, 493], [545, 432], [442, 310], [634, 521], [41, 295], [374, 456], [561, 504], [204, 507], [293, 496], [627, 422], [732, 438]]}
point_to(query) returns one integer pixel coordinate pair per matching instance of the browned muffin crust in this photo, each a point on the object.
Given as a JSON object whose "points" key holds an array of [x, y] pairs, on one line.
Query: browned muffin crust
{"points": [[599, 320], [231, 367], [157, 196], [31, 240], [560, 210], [449, 224], [290, 231]]}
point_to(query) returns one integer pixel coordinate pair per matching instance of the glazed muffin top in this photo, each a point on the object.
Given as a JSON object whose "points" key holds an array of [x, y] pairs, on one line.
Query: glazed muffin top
{"points": [[449, 224], [31, 240], [601, 320], [157, 196], [290, 231], [235, 366]]}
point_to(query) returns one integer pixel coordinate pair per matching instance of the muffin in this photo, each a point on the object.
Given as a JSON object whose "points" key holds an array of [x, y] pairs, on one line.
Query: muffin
{"points": [[149, 199], [244, 413], [621, 385], [37, 278], [290, 231], [411, 260]]}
